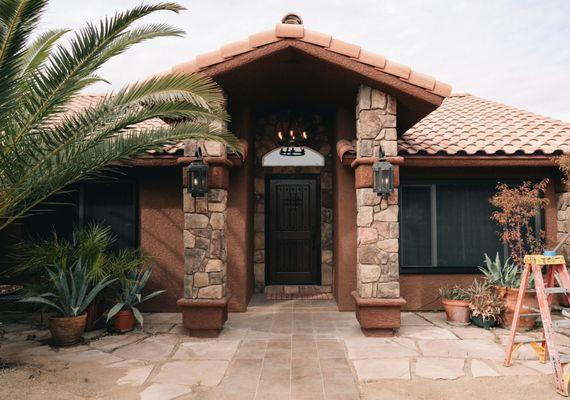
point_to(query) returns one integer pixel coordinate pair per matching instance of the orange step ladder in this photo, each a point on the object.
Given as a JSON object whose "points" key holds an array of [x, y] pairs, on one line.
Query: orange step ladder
{"points": [[545, 347]]}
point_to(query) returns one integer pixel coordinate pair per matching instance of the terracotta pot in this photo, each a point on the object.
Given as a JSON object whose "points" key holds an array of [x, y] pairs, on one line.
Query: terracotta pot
{"points": [[66, 331], [124, 321], [529, 300], [456, 311]]}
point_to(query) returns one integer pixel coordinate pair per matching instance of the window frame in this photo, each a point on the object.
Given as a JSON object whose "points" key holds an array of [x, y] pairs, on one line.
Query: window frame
{"points": [[432, 184]]}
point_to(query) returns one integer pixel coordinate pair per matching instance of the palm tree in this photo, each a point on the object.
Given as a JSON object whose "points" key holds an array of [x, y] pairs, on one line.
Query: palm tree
{"points": [[43, 149]]}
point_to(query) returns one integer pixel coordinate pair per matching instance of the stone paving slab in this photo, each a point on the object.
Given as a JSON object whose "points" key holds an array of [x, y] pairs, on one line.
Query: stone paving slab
{"points": [[481, 369], [155, 348], [426, 333], [89, 356], [113, 342], [387, 368], [211, 350], [161, 391], [136, 376], [440, 368], [203, 373], [469, 348], [376, 348]]}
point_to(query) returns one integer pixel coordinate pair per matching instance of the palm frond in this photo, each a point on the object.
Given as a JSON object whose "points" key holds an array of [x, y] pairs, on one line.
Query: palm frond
{"points": [[40, 49]]}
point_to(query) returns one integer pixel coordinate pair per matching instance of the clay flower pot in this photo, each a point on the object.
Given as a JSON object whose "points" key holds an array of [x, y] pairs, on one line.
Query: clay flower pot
{"points": [[457, 311], [67, 331], [529, 300], [124, 321]]}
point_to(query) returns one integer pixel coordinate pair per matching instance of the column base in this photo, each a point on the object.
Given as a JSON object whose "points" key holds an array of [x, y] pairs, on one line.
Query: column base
{"points": [[204, 316], [378, 317]]}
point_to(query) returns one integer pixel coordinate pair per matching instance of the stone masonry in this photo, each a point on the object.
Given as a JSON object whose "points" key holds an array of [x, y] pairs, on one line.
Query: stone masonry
{"points": [[563, 205], [377, 217], [204, 236]]}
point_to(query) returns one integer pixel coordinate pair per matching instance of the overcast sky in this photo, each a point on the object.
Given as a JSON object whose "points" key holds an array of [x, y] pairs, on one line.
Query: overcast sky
{"points": [[516, 52]]}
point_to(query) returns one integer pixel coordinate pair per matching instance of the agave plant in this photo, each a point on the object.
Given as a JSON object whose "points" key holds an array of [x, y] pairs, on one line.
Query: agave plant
{"points": [[73, 290], [129, 293], [43, 148], [505, 274]]}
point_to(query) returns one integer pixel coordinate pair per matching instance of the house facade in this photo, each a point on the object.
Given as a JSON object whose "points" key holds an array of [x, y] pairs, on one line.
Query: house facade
{"points": [[288, 225]]}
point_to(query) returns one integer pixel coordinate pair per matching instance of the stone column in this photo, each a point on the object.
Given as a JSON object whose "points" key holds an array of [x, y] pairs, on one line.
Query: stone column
{"points": [[563, 220], [205, 293], [378, 290]]}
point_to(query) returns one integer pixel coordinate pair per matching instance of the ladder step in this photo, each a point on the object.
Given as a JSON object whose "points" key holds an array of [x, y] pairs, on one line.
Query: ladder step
{"points": [[529, 340], [530, 315], [565, 358], [561, 323], [555, 290], [529, 308]]}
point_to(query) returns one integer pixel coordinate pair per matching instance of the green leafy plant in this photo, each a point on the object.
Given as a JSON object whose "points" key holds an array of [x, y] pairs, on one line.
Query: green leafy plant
{"points": [[484, 302], [129, 293], [44, 147], [73, 290], [454, 292], [91, 244]]}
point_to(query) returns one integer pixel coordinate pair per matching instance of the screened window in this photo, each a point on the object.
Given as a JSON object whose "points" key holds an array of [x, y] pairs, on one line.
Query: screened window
{"points": [[112, 203], [447, 225]]}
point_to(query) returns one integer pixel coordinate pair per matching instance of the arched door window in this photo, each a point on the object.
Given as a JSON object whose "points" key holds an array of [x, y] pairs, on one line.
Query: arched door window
{"points": [[311, 158]]}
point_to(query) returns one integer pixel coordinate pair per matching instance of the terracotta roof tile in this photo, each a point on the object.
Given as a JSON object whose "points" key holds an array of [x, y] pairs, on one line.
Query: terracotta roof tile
{"points": [[422, 80], [376, 60], [345, 48], [320, 39], [235, 48], [394, 68], [289, 31], [293, 31], [263, 38], [207, 59], [470, 124]]}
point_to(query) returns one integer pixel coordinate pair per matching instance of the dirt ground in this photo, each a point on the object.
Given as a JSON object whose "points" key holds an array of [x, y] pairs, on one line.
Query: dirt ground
{"points": [[59, 382], [504, 388]]}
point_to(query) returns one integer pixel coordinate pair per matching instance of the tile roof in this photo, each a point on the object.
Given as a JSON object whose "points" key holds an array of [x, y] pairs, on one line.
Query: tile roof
{"points": [[467, 124], [292, 31]]}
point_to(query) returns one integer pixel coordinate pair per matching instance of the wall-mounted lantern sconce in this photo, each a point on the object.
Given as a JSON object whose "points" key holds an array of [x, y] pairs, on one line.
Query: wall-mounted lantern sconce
{"points": [[383, 173], [198, 176]]}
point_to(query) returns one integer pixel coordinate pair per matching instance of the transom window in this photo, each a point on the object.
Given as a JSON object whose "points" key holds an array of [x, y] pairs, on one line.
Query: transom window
{"points": [[446, 226]]}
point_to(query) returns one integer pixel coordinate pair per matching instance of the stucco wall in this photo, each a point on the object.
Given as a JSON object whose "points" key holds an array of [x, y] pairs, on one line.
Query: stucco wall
{"points": [[161, 224]]}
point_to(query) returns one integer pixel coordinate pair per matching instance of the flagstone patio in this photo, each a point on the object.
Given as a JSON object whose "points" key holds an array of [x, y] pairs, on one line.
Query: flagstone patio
{"points": [[292, 349]]}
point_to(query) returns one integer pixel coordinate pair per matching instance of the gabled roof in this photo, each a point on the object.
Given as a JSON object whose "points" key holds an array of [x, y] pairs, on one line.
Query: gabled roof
{"points": [[466, 124], [295, 31]]}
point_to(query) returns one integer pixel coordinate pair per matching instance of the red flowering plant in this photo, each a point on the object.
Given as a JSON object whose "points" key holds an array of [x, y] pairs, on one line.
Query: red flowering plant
{"points": [[517, 206]]}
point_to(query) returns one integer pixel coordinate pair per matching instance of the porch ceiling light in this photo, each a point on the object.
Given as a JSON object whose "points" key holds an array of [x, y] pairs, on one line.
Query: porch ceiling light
{"points": [[198, 176], [291, 134], [383, 173]]}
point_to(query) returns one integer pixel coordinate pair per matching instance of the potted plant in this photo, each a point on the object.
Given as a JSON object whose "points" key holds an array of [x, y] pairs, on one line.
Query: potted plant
{"points": [[129, 296], [485, 305], [455, 300], [505, 280], [72, 295]]}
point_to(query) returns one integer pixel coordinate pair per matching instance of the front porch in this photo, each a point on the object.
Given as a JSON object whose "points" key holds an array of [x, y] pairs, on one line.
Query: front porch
{"points": [[288, 349]]}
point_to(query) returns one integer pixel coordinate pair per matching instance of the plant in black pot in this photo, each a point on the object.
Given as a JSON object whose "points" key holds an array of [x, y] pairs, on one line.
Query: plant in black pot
{"points": [[129, 296], [485, 305], [73, 291]]}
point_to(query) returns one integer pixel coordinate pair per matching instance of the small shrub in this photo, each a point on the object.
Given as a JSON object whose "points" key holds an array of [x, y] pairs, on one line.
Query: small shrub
{"points": [[484, 302], [516, 208], [455, 292]]}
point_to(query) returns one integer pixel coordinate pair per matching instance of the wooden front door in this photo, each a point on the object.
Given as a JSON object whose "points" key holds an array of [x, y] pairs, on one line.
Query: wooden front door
{"points": [[292, 227]]}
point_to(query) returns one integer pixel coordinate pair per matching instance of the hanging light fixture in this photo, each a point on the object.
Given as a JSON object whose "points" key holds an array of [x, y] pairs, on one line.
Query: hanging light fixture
{"points": [[291, 135], [198, 176], [383, 173]]}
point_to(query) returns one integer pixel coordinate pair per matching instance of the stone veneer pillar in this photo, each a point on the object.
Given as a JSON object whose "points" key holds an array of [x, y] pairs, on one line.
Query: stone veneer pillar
{"points": [[205, 257], [377, 296], [563, 217]]}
